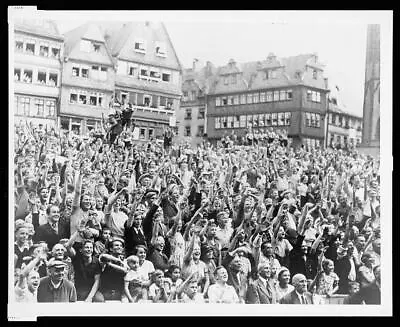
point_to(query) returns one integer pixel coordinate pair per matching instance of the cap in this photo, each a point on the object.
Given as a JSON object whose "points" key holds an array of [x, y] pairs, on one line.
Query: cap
{"points": [[286, 192], [52, 263]]}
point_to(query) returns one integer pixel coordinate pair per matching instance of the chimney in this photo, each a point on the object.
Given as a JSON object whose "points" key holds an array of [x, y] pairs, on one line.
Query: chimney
{"points": [[326, 82]]}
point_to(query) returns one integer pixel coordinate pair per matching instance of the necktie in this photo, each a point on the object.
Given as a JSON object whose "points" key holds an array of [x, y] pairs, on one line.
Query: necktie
{"points": [[54, 225], [303, 300]]}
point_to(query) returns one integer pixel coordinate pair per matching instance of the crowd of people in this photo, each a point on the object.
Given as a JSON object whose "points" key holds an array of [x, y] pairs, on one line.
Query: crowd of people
{"points": [[106, 218]]}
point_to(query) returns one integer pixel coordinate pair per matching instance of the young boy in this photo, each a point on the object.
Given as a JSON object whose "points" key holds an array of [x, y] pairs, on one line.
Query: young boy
{"points": [[133, 285], [157, 291]]}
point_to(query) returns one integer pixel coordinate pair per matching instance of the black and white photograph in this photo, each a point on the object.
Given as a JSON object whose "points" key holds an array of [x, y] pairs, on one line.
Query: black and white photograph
{"points": [[218, 163]]}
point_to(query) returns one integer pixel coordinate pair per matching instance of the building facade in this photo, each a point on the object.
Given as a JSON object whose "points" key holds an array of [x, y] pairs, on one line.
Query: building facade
{"points": [[88, 80], [344, 130], [148, 75], [191, 117], [38, 51], [279, 94]]}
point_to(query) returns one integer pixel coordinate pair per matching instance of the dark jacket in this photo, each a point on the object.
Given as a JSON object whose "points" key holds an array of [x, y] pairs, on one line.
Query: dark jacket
{"points": [[297, 264], [47, 234], [132, 238]]}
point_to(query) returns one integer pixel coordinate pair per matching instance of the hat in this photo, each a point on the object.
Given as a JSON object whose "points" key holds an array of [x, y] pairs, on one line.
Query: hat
{"points": [[286, 192], [147, 175], [53, 263]]}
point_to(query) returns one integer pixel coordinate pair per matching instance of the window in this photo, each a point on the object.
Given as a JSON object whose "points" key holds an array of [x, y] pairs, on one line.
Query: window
{"points": [[161, 50], [317, 120], [230, 100], [243, 121], [330, 117], [226, 80], [217, 122], [224, 101], [288, 115], [55, 52], [39, 104], [261, 120], [96, 47], [75, 71], [200, 130], [44, 50], [236, 99], [262, 97], [187, 131], [256, 98], [243, 99], [30, 47], [312, 120], [224, 122], [155, 74], [151, 133], [86, 46], [337, 119], [267, 74], [188, 114], [25, 104], [274, 119], [93, 100], [233, 78], [51, 108], [217, 101], [169, 103], [308, 119], [268, 119], [282, 95], [146, 100], [281, 119], [315, 74], [53, 78], [166, 77], [255, 120], [95, 72], [17, 74], [309, 93], [41, 77], [73, 98], [269, 96], [142, 133], [19, 46], [85, 72], [236, 122], [230, 122], [140, 46], [201, 113], [132, 70], [27, 76], [273, 74], [318, 97], [289, 95], [82, 99], [249, 98], [100, 102], [276, 96], [249, 121]]}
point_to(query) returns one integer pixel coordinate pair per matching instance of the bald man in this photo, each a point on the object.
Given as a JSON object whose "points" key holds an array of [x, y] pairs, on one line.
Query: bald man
{"points": [[299, 295]]}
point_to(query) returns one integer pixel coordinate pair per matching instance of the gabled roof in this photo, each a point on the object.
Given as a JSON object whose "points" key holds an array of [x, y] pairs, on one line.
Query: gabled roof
{"points": [[41, 27], [121, 38], [89, 31]]}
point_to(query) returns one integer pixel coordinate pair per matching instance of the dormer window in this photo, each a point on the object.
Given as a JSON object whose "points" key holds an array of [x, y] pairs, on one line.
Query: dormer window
{"points": [[315, 74], [233, 78], [96, 47], [161, 50], [140, 46]]}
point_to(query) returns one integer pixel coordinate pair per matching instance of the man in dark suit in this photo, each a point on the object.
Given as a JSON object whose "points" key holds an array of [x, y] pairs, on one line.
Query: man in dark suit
{"points": [[53, 231], [370, 294], [133, 233], [262, 290], [299, 295]]}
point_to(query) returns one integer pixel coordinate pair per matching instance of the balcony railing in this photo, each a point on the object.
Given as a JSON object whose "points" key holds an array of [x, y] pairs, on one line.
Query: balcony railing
{"points": [[158, 110]]}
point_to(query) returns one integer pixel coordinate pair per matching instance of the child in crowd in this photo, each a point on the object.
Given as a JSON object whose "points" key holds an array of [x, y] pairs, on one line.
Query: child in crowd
{"points": [[133, 285]]}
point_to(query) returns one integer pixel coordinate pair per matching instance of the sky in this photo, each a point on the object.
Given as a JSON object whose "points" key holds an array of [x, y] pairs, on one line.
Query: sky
{"points": [[339, 39]]}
